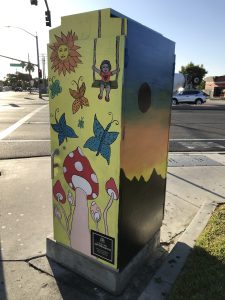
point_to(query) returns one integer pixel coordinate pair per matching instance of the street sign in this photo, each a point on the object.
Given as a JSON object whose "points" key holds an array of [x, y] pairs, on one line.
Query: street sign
{"points": [[15, 65]]}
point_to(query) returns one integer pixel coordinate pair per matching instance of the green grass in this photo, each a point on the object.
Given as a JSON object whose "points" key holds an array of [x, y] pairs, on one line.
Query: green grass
{"points": [[203, 275]]}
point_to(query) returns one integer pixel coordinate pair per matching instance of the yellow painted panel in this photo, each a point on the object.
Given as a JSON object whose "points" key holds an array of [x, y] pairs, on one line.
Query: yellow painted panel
{"points": [[85, 130]]}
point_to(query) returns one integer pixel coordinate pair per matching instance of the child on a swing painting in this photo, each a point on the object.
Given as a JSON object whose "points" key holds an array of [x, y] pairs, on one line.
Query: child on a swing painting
{"points": [[105, 73]]}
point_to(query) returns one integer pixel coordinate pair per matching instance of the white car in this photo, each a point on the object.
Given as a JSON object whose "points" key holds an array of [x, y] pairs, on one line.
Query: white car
{"points": [[192, 97]]}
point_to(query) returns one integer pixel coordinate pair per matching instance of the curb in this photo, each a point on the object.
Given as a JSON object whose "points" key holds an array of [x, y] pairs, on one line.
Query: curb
{"points": [[163, 280]]}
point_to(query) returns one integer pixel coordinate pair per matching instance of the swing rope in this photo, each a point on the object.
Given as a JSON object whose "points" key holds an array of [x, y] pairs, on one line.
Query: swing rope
{"points": [[114, 83], [94, 58], [117, 56], [95, 41]]}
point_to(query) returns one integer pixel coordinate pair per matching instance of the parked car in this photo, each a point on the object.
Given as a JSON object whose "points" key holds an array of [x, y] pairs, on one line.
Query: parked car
{"points": [[192, 97], [7, 88], [18, 89]]}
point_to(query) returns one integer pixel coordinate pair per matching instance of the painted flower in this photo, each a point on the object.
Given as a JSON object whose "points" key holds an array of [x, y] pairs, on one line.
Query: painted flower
{"points": [[57, 213], [71, 199], [64, 56]]}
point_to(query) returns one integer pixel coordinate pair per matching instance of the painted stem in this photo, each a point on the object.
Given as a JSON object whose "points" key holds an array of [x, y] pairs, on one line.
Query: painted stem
{"points": [[64, 228], [96, 225], [80, 234], [69, 218], [106, 212], [65, 216]]}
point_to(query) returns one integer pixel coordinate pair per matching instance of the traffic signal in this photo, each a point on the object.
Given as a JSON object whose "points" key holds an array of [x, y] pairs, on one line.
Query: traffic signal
{"points": [[33, 2], [48, 18], [40, 73]]}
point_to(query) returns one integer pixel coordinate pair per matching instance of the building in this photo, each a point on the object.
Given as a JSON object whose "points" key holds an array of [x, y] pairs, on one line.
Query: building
{"points": [[215, 86]]}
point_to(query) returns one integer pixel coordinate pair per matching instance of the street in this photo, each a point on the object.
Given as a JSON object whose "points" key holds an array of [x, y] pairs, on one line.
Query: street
{"points": [[24, 126], [198, 128]]}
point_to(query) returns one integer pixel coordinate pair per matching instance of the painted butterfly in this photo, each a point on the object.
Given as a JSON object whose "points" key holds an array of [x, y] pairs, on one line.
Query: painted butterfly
{"points": [[55, 88], [102, 140], [64, 131], [78, 95], [81, 122]]}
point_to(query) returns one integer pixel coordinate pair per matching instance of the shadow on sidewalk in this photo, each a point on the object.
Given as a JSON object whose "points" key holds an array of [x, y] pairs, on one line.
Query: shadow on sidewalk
{"points": [[3, 295], [73, 286]]}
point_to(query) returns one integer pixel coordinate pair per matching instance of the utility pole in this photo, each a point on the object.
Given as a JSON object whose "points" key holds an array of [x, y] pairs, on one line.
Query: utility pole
{"points": [[38, 63], [43, 69], [43, 65]]}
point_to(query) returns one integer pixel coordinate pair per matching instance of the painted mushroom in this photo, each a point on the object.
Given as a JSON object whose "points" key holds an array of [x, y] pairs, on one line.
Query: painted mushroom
{"points": [[71, 199], [113, 192], [57, 213], [59, 193], [82, 179], [95, 213], [60, 197]]}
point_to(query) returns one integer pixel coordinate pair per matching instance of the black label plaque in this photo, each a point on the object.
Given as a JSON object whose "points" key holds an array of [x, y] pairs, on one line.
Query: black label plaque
{"points": [[102, 246]]}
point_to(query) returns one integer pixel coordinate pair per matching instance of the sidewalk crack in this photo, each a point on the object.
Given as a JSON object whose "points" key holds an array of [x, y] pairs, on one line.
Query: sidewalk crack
{"points": [[38, 269], [172, 240], [26, 260], [198, 206]]}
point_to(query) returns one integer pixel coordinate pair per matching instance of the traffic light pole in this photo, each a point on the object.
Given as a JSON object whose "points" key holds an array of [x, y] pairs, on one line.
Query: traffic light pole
{"points": [[38, 65], [46, 3], [38, 62], [47, 12]]}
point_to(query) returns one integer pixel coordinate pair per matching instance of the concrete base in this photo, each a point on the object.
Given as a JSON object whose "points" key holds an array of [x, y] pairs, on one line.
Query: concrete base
{"points": [[109, 279]]}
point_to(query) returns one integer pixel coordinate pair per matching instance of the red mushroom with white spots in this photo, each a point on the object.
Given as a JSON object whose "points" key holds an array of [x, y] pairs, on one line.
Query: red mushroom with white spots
{"points": [[82, 179], [58, 192], [57, 213], [113, 192], [95, 213], [60, 197]]}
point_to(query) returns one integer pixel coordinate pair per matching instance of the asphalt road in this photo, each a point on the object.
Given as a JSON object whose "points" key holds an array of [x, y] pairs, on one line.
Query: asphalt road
{"points": [[198, 128], [24, 125], [25, 130]]}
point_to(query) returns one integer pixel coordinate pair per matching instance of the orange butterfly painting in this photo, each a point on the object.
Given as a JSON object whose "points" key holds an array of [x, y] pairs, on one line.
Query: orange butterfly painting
{"points": [[78, 95]]}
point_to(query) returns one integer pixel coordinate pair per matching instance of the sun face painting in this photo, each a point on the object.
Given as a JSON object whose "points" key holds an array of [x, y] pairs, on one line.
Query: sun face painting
{"points": [[64, 56]]}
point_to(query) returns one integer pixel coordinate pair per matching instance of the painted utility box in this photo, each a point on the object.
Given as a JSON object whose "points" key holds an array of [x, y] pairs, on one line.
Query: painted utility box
{"points": [[110, 87]]}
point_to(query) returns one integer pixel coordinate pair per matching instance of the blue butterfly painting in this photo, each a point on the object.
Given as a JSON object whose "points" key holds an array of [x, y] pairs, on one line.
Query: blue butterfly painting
{"points": [[55, 88], [64, 131], [102, 139]]}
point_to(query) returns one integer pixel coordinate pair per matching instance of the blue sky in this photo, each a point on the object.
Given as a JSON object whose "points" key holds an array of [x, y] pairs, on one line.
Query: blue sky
{"points": [[196, 26]]}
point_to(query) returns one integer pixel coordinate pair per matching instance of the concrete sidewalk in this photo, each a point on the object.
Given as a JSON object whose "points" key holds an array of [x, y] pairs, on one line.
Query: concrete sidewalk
{"points": [[195, 185]]}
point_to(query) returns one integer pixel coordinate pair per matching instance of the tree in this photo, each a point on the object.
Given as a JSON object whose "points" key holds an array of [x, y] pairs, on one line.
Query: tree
{"points": [[18, 79], [30, 68], [194, 74], [10, 80]]}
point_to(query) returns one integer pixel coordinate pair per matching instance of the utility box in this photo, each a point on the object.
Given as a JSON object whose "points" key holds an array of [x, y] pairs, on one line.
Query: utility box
{"points": [[110, 90]]}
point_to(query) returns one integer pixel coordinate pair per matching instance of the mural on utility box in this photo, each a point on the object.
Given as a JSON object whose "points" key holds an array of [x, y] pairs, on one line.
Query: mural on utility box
{"points": [[105, 74], [79, 100], [110, 115], [64, 131], [54, 87], [102, 139], [85, 68], [64, 56]]}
